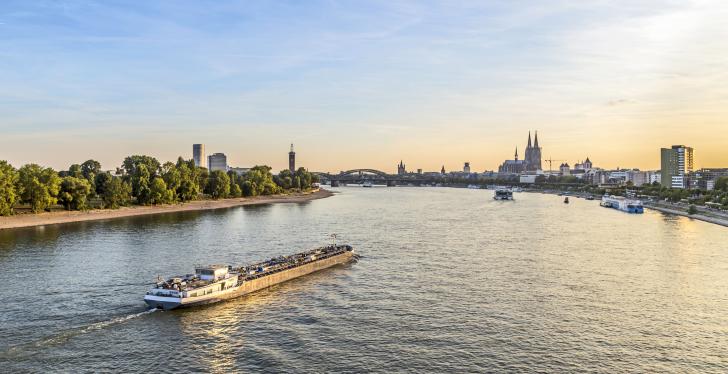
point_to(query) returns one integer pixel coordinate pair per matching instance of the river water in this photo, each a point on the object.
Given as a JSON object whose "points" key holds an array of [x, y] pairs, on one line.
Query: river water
{"points": [[450, 281]]}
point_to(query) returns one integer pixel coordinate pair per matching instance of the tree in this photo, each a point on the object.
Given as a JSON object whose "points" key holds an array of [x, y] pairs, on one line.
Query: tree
{"points": [[140, 185], [235, 190], [721, 184], [116, 193], [8, 188], [131, 164], [189, 187], [692, 209], [74, 171], [172, 178], [39, 186], [101, 181], [218, 185], [74, 192], [159, 194], [90, 168]]}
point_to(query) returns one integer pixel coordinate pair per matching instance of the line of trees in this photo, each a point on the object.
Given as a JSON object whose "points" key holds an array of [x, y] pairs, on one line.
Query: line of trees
{"points": [[140, 180]]}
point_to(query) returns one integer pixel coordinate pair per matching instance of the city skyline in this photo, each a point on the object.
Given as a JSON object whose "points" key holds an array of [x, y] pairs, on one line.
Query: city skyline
{"points": [[373, 83]]}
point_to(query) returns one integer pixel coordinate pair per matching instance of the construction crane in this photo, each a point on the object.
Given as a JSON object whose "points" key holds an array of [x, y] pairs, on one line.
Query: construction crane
{"points": [[550, 160]]}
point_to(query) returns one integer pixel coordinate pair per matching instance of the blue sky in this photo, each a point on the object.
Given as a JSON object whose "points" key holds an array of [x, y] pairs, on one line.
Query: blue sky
{"points": [[362, 83]]}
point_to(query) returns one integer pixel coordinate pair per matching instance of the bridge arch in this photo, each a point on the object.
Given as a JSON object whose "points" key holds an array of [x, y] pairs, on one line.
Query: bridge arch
{"points": [[361, 171]]}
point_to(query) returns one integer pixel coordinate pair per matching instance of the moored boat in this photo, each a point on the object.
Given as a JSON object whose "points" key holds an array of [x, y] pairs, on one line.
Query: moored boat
{"points": [[215, 283], [622, 203]]}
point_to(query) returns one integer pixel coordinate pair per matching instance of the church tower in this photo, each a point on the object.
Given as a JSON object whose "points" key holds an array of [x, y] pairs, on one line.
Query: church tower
{"points": [[401, 169], [536, 162]]}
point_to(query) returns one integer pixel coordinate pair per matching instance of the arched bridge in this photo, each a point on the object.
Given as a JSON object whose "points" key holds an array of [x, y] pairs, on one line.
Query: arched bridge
{"points": [[358, 176]]}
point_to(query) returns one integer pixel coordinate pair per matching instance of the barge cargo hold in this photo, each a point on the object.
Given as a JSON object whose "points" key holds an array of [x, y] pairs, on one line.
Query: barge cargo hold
{"points": [[215, 283]]}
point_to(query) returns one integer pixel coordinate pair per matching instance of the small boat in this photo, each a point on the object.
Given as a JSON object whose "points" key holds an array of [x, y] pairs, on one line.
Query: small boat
{"points": [[503, 194], [367, 184], [566, 200], [590, 197]]}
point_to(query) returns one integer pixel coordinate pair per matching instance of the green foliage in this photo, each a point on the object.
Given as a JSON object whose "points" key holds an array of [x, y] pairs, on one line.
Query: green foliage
{"points": [[261, 182], [8, 190], [218, 185], [235, 190], [692, 209], [721, 184], [90, 169], [74, 171], [101, 181], [74, 192], [300, 180], [131, 164], [140, 185], [115, 193], [39, 186], [159, 194]]}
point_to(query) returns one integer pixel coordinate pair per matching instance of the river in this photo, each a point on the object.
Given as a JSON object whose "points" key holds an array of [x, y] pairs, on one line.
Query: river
{"points": [[450, 281]]}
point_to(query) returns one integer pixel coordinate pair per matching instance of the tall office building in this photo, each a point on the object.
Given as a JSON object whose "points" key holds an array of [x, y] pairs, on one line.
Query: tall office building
{"points": [[198, 154], [676, 165], [292, 160], [217, 161]]}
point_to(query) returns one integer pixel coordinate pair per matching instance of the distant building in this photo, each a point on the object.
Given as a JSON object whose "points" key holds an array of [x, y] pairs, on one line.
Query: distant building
{"points": [[532, 162], [585, 165], [705, 178], [466, 168], [401, 169], [198, 155], [564, 169], [676, 165], [514, 166], [442, 171], [217, 161], [419, 171], [292, 160]]}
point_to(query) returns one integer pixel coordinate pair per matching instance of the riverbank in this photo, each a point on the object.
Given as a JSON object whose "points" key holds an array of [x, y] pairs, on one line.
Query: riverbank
{"points": [[54, 218], [701, 217]]}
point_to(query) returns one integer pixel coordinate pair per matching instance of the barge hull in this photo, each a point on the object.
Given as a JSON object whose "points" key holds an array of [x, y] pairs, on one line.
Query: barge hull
{"points": [[250, 286]]}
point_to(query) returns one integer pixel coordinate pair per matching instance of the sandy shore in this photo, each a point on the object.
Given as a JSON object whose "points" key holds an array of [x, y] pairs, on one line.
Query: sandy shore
{"points": [[27, 220]]}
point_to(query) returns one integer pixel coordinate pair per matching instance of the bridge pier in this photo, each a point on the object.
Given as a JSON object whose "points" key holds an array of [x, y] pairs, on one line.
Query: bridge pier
{"points": [[334, 183], [391, 183]]}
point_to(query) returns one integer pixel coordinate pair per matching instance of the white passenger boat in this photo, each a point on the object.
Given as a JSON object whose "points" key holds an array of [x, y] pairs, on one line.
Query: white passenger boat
{"points": [[622, 203], [503, 194]]}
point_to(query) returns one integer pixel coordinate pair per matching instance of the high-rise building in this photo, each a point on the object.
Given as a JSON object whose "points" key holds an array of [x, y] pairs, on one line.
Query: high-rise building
{"points": [[198, 155], [217, 161], [676, 165], [466, 168], [292, 160]]}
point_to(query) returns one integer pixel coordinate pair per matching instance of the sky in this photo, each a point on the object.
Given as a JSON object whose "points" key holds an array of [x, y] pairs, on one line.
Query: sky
{"points": [[363, 84]]}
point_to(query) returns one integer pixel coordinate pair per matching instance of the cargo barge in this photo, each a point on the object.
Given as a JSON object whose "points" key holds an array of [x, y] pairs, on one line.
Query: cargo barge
{"points": [[214, 283]]}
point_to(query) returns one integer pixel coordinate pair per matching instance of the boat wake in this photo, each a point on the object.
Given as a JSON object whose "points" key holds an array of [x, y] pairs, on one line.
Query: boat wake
{"points": [[64, 336]]}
